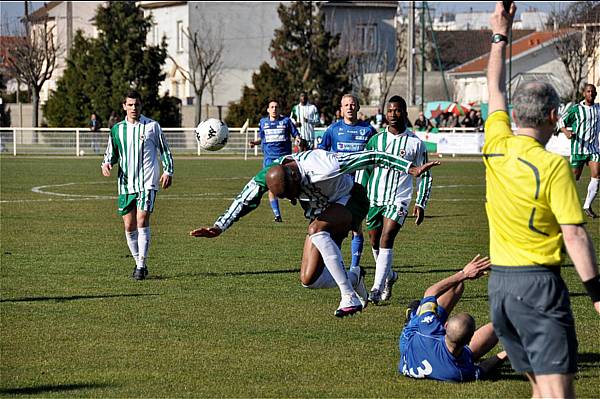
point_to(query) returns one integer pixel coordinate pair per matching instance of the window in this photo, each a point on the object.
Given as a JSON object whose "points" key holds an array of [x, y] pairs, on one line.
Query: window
{"points": [[366, 38], [180, 37]]}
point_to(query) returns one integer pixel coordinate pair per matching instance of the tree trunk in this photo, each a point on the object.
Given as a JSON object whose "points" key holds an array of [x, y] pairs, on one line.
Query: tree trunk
{"points": [[35, 99], [198, 108]]}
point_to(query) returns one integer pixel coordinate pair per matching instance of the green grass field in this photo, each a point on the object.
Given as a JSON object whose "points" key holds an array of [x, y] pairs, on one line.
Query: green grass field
{"points": [[225, 317]]}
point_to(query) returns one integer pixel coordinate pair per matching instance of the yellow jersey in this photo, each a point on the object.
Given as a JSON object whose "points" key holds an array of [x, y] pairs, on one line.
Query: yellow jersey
{"points": [[530, 192]]}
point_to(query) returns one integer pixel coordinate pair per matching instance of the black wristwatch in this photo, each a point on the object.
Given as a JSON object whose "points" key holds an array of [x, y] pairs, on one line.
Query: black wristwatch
{"points": [[498, 37]]}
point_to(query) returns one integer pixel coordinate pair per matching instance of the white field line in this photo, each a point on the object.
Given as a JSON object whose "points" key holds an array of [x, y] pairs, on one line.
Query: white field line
{"points": [[44, 190]]}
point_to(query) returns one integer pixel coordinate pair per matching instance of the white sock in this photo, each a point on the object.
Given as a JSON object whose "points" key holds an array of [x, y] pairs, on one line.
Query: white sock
{"points": [[591, 193], [144, 244], [382, 267], [132, 243], [375, 253], [332, 257]]}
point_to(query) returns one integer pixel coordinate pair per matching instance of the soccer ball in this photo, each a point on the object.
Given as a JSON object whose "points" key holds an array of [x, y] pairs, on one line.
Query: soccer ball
{"points": [[212, 134]]}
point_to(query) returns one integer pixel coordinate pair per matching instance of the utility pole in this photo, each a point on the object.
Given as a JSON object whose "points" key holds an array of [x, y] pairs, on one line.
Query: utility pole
{"points": [[69, 27], [411, 55]]}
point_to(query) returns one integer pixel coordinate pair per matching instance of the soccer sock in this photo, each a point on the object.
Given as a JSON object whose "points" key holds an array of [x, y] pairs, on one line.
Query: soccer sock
{"points": [[144, 244], [132, 243], [357, 248], [332, 256], [382, 267], [375, 253], [591, 193], [275, 207]]}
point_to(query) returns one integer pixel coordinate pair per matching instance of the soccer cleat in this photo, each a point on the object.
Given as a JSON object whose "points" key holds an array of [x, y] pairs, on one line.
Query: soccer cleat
{"points": [[386, 294], [375, 296], [349, 305], [410, 310], [139, 274], [590, 213], [361, 288], [278, 219]]}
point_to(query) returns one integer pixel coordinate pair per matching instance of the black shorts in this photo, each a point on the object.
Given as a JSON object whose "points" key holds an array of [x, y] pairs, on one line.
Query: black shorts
{"points": [[531, 313]]}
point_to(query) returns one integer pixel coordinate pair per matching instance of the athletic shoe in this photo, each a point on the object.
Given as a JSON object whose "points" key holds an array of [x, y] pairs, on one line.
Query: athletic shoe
{"points": [[590, 213], [361, 288], [386, 294], [410, 310], [278, 219], [139, 274], [375, 296], [349, 305]]}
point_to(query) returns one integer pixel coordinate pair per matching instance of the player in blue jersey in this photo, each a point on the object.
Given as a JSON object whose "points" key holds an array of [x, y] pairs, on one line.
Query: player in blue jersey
{"points": [[349, 135], [435, 347], [275, 137]]}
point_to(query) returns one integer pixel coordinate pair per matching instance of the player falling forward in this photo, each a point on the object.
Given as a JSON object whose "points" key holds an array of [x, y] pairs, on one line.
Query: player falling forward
{"points": [[332, 202]]}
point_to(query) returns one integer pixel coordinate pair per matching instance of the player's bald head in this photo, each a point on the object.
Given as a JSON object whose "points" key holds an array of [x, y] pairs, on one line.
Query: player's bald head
{"points": [[460, 329], [283, 181]]}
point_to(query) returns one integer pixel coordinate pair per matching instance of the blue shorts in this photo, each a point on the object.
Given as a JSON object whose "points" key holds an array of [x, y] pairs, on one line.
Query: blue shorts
{"points": [[269, 161]]}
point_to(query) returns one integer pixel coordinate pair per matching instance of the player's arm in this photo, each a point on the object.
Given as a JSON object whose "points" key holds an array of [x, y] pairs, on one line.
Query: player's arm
{"points": [[292, 129], [488, 365], [581, 250], [325, 143], [111, 156], [245, 202], [567, 121], [424, 183], [501, 23], [472, 270], [166, 158], [353, 161]]}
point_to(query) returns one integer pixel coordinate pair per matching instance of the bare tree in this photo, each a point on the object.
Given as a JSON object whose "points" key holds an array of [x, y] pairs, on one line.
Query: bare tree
{"points": [[578, 41], [206, 63], [387, 76], [32, 59]]}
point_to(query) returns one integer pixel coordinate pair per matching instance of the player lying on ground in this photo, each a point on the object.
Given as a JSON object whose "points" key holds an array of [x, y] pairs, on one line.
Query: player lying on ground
{"points": [[431, 347], [332, 202]]}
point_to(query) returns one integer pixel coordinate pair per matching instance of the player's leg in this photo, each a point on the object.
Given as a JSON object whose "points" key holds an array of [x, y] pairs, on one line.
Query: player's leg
{"points": [[356, 246], [592, 189], [127, 210], [483, 341], [274, 202], [145, 206], [332, 222], [392, 223], [555, 385], [535, 392]]}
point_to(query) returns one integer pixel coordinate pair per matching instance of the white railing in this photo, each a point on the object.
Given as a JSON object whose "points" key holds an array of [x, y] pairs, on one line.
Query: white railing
{"points": [[82, 142]]}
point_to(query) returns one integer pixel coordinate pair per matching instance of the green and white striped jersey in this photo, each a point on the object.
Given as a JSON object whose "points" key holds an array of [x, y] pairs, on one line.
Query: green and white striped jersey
{"points": [[584, 120], [387, 186], [137, 149], [324, 181]]}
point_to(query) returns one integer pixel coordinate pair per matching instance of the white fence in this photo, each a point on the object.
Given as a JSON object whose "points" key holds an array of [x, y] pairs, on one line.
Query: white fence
{"points": [[83, 142]]}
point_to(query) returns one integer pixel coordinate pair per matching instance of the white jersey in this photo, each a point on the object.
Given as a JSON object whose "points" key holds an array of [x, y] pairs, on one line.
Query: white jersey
{"points": [[324, 181], [138, 148], [307, 127], [392, 187]]}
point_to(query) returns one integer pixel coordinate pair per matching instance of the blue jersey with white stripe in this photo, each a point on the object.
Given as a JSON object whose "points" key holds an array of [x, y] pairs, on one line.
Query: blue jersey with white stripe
{"points": [[423, 352], [276, 136], [341, 137]]}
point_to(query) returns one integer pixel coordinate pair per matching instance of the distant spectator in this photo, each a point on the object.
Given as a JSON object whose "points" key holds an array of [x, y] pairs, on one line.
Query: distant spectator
{"points": [[422, 124], [322, 120], [338, 116], [95, 125], [448, 120], [379, 119], [470, 120], [113, 119], [479, 121]]}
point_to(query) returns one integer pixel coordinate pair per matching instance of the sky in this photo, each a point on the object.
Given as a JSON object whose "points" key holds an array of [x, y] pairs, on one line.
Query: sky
{"points": [[10, 11]]}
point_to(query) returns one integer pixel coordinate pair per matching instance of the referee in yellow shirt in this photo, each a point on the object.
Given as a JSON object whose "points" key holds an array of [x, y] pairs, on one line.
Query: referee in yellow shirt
{"points": [[533, 211]]}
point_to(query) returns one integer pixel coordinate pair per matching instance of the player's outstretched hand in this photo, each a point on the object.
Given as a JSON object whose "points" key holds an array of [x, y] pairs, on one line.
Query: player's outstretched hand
{"points": [[208, 232], [417, 171], [476, 267]]}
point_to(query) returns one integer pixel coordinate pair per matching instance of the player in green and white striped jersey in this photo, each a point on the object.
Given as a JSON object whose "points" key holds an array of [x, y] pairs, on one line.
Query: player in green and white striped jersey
{"points": [[138, 145], [584, 119], [332, 202], [390, 194]]}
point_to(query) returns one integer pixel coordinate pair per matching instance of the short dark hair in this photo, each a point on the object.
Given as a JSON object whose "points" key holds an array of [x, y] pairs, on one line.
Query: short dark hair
{"points": [[399, 100], [132, 94]]}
